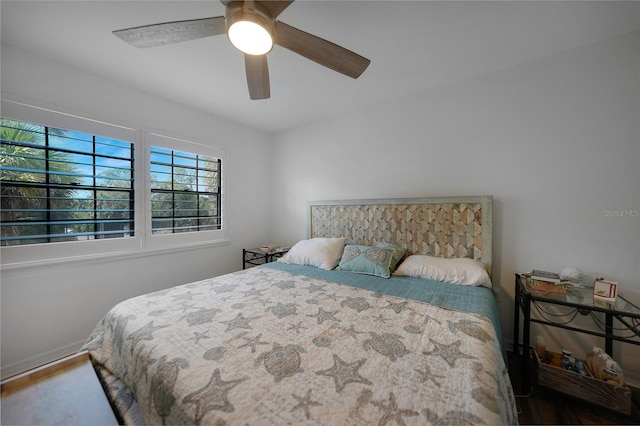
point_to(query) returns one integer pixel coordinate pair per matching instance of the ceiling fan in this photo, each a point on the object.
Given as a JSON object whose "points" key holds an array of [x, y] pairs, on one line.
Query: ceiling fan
{"points": [[252, 28]]}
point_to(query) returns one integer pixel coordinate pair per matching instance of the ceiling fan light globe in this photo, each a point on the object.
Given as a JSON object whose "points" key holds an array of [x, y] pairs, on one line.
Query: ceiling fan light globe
{"points": [[250, 37]]}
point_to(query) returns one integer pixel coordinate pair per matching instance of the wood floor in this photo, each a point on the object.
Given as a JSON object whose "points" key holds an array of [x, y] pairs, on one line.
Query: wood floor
{"points": [[547, 407]]}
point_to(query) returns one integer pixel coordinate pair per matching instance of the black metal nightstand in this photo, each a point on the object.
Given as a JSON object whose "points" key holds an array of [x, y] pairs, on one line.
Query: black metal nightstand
{"points": [[258, 256], [576, 300]]}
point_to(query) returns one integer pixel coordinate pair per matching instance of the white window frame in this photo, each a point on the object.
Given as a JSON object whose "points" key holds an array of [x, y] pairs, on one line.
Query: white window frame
{"points": [[156, 241], [142, 242]]}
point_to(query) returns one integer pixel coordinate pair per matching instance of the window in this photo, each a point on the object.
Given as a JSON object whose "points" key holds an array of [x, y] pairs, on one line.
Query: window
{"points": [[185, 192], [75, 187], [60, 185], [184, 185]]}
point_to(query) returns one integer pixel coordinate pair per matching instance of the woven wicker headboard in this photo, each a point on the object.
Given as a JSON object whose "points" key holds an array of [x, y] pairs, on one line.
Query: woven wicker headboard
{"points": [[444, 226]]}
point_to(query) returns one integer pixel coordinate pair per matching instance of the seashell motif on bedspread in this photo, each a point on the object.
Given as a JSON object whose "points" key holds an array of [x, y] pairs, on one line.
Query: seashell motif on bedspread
{"points": [[263, 354]]}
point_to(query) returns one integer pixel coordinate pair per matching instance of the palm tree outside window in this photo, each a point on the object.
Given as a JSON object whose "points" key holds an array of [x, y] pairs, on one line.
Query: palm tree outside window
{"points": [[61, 185]]}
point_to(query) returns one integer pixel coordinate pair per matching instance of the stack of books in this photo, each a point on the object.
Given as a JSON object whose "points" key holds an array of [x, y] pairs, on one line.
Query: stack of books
{"points": [[551, 282], [550, 277], [272, 248]]}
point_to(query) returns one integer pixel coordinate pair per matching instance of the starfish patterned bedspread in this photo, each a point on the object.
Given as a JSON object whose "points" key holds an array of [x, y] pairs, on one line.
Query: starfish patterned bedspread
{"points": [[266, 346]]}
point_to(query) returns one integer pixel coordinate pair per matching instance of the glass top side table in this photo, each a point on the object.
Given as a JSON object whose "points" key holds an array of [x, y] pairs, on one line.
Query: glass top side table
{"points": [[257, 256], [582, 300]]}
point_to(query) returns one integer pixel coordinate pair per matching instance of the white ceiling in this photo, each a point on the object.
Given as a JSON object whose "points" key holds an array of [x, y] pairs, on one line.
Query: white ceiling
{"points": [[413, 46]]}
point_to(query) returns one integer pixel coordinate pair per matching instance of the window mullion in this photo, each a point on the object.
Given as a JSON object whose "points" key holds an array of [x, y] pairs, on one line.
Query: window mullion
{"points": [[47, 181], [132, 205], [198, 220], [95, 190], [173, 194]]}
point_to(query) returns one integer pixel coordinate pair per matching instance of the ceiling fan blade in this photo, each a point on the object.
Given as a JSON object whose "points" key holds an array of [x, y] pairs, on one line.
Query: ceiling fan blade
{"points": [[321, 51], [172, 32], [257, 76], [274, 7]]}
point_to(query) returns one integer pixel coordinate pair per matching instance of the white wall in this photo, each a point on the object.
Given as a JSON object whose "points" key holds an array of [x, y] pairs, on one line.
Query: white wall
{"points": [[556, 141], [48, 312]]}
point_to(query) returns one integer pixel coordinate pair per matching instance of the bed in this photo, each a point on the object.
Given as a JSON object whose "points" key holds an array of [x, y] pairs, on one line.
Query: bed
{"points": [[303, 341]]}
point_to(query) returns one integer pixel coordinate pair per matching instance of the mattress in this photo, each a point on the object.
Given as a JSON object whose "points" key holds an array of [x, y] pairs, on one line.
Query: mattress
{"points": [[291, 344]]}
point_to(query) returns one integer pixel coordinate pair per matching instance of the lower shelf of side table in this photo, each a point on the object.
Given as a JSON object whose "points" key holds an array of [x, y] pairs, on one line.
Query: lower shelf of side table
{"points": [[586, 388]]}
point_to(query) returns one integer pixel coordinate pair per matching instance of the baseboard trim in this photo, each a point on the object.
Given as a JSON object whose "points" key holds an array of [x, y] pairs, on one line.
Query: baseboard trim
{"points": [[21, 366]]}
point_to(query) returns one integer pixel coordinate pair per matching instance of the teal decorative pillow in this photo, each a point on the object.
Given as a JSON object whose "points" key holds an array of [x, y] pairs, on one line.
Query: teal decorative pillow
{"points": [[367, 260], [396, 257]]}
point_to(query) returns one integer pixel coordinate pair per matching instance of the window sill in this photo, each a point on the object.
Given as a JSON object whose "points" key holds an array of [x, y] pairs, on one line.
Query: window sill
{"points": [[64, 262]]}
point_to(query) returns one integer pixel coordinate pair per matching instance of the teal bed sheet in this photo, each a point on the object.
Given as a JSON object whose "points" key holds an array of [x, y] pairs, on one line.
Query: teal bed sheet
{"points": [[477, 300]]}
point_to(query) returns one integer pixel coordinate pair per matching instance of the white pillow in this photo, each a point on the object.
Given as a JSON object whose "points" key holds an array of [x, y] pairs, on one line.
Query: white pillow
{"points": [[455, 271], [322, 253]]}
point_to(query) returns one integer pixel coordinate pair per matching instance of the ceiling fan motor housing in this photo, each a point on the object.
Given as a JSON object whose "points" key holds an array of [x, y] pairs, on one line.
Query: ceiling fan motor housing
{"points": [[254, 12]]}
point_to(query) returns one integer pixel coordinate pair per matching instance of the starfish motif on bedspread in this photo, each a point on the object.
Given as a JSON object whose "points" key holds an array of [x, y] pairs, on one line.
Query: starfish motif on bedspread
{"points": [[213, 396], [427, 375], [323, 316], [351, 331], [392, 412], [428, 318], [186, 306], [450, 353], [252, 343], [331, 296], [236, 337], [344, 373], [265, 302], [142, 363], [145, 333], [304, 403], [117, 325], [380, 318], [296, 327], [239, 322], [197, 336], [223, 299], [253, 292], [315, 287], [397, 307]]}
